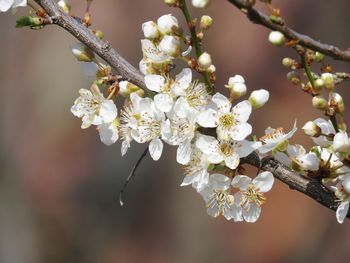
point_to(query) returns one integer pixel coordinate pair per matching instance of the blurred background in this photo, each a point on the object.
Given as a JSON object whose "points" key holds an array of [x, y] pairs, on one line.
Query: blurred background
{"points": [[59, 184]]}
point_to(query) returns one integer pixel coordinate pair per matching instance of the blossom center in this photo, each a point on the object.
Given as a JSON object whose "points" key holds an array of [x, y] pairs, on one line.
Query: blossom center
{"points": [[252, 195], [226, 149], [222, 199], [273, 135], [227, 121]]}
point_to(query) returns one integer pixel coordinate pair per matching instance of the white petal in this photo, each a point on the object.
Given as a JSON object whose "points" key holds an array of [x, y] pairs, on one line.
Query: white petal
{"points": [[310, 161], [252, 215], [5, 5], [207, 144], [108, 111], [108, 133], [346, 183], [208, 118], [222, 102], [181, 107], [264, 181], [232, 161], [125, 147], [164, 102], [241, 181], [243, 109], [241, 131], [219, 182], [155, 149], [342, 211], [236, 213], [244, 148], [155, 82], [184, 153], [18, 3]]}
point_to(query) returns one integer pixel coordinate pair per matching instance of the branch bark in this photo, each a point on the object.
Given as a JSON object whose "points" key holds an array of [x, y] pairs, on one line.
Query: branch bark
{"points": [[260, 18], [312, 188]]}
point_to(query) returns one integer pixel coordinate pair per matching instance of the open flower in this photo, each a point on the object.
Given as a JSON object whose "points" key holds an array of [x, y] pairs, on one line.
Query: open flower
{"points": [[5, 5], [228, 152], [251, 195], [93, 108], [276, 139], [229, 123], [342, 192], [218, 198], [154, 60]]}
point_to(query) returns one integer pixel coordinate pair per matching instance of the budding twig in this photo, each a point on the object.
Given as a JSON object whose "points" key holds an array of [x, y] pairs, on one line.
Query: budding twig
{"points": [[260, 18]]}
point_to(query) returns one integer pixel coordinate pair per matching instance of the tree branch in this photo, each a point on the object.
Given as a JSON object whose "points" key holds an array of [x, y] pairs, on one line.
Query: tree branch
{"points": [[100, 47], [260, 18], [312, 188]]}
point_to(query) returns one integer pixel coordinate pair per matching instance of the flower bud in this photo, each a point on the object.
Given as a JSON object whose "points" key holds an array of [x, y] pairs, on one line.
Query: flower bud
{"points": [[311, 129], [258, 98], [64, 5], [82, 53], [319, 57], [319, 84], [276, 38], [341, 142], [288, 62], [328, 80], [211, 69], [200, 3], [237, 87], [204, 61], [167, 23], [170, 45], [206, 22], [150, 30], [293, 77], [336, 101], [126, 88], [170, 2], [319, 102]]}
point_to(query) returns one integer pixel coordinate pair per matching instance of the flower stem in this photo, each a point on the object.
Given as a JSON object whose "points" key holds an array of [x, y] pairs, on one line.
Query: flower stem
{"points": [[195, 41]]}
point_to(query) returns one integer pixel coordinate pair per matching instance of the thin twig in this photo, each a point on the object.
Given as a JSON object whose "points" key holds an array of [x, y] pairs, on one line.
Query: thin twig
{"points": [[131, 175], [260, 18]]}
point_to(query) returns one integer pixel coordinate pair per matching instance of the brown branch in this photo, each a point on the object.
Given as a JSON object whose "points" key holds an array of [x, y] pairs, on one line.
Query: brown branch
{"points": [[311, 188], [260, 18], [100, 47]]}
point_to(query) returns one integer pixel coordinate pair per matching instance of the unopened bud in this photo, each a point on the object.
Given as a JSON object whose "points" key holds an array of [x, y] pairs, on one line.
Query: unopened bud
{"points": [[83, 53], [319, 102], [319, 84], [288, 62], [126, 88], [336, 101], [167, 24], [328, 80], [64, 5], [319, 57], [206, 22], [211, 69], [170, 45], [311, 129], [258, 98], [237, 87], [293, 77], [200, 3], [150, 30], [204, 61], [276, 38]]}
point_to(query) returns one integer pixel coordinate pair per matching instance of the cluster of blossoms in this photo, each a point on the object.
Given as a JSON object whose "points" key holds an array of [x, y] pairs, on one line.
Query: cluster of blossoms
{"points": [[181, 112], [211, 131]]}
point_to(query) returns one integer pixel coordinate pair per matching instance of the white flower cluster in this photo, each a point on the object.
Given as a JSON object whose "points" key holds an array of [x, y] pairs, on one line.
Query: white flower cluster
{"points": [[209, 132], [328, 160]]}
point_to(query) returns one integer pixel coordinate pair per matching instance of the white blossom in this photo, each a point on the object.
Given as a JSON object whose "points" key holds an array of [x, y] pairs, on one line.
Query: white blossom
{"points": [[258, 98], [230, 123], [93, 108], [228, 152], [251, 195], [218, 198], [150, 30], [200, 3], [109, 132], [274, 138], [341, 142]]}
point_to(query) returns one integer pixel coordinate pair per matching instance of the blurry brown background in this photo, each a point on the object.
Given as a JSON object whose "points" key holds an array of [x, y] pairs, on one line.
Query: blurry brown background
{"points": [[59, 185]]}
